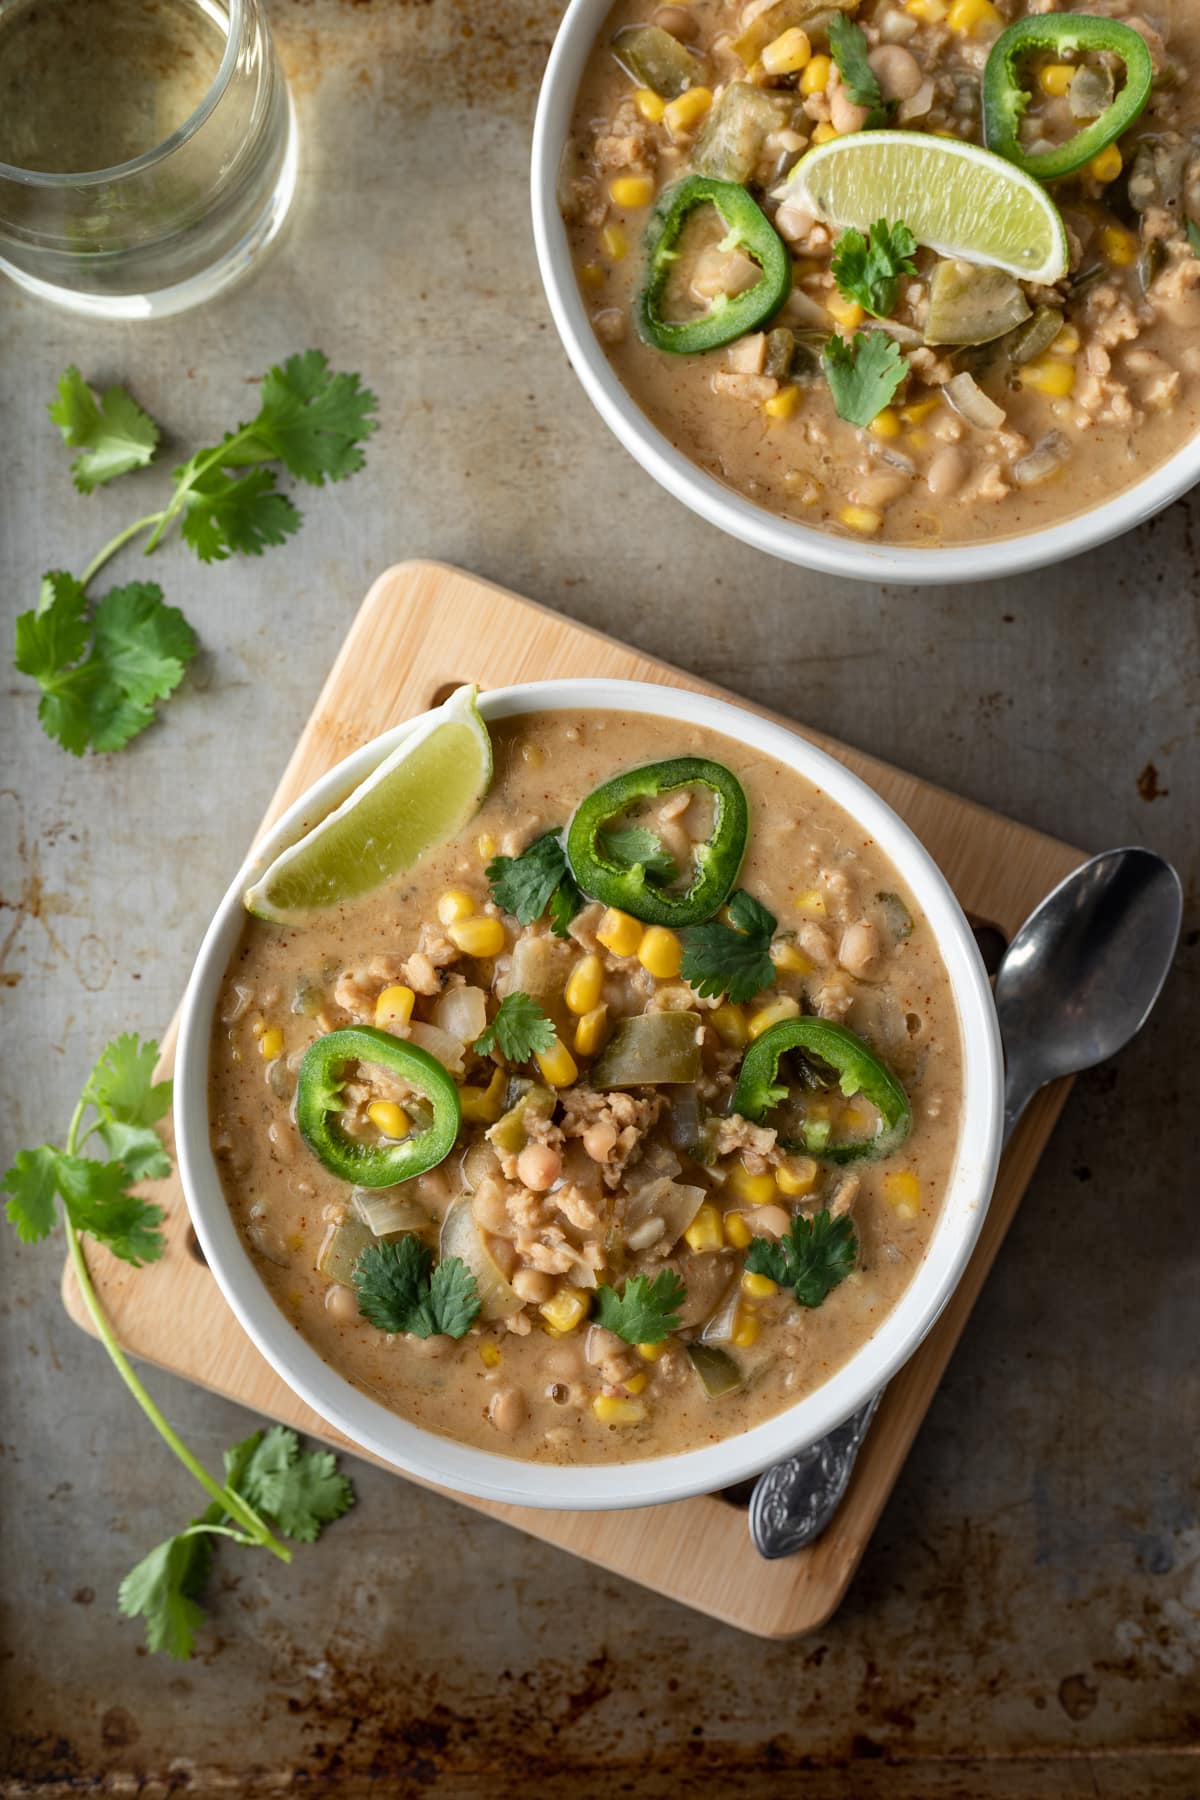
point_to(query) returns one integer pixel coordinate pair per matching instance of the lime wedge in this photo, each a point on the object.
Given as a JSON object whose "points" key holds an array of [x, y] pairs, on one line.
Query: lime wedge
{"points": [[420, 795], [956, 198]]}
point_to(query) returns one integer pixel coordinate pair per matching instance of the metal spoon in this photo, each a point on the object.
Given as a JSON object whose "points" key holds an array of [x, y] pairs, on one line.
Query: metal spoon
{"points": [[1076, 983]]}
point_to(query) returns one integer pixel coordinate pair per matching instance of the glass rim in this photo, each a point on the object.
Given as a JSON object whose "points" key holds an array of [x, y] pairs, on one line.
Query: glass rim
{"points": [[123, 170]]}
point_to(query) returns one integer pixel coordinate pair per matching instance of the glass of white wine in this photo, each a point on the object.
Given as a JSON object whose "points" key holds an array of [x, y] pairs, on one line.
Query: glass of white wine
{"points": [[147, 150]]}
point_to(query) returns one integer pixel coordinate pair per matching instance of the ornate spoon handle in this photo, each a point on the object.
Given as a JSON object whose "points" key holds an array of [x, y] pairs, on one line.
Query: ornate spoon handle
{"points": [[794, 1501]]}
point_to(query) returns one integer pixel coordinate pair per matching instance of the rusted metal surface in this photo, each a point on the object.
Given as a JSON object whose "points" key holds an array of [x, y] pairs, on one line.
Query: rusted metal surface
{"points": [[1027, 1620]]}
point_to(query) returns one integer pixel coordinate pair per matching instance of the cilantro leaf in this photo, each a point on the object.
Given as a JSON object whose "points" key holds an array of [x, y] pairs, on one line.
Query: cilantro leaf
{"points": [[113, 437], [143, 644], [122, 1089], [397, 1293], [848, 43], [870, 272], [863, 375], [811, 1257], [226, 514], [565, 902], [31, 1185], [300, 1490], [96, 1202], [731, 959], [162, 1589], [518, 1028], [645, 1312], [637, 844], [524, 885], [312, 420], [1193, 235]]}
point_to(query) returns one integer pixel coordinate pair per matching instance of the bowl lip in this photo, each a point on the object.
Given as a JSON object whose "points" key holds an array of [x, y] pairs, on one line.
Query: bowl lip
{"points": [[788, 540], [448, 1463]]}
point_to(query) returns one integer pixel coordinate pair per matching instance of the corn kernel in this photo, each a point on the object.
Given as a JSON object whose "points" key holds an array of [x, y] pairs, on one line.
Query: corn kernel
{"points": [[901, 1188], [1067, 342], [1056, 377], [585, 985], [685, 112], [489, 1355], [785, 956], [477, 937], [812, 900], [390, 1119], [847, 313], [614, 242], [751, 1190], [1055, 78], [610, 1409], [758, 1287], [591, 275], [650, 105], [1106, 165], [737, 1231], [929, 12], [618, 932], [885, 424], [782, 1007], [797, 1176], [660, 953], [636, 1384], [394, 1006], [485, 843], [270, 1044], [632, 190], [918, 410], [729, 1023], [484, 1105], [1118, 246], [974, 18], [788, 53], [824, 133], [704, 1232], [866, 520], [745, 1331], [651, 1352], [815, 78], [566, 1309], [557, 1064], [590, 1031], [455, 904], [783, 404]]}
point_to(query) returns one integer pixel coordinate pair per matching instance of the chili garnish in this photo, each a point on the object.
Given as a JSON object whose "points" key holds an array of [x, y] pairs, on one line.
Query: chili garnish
{"points": [[730, 315], [1005, 98], [319, 1100], [629, 885], [858, 1071]]}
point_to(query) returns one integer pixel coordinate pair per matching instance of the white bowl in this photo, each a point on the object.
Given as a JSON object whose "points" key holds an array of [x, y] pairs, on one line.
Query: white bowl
{"points": [[720, 505], [493, 1477]]}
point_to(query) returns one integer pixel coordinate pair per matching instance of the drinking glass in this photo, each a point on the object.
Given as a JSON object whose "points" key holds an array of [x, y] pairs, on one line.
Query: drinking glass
{"points": [[147, 150]]}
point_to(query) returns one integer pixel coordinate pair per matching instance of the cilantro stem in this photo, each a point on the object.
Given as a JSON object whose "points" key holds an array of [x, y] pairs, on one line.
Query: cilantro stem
{"points": [[114, 544], [200, 465], [229, 1501]]}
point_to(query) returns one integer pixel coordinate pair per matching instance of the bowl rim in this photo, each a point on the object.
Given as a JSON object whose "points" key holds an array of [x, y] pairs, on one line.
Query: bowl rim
{"points": [[789, 540], [446, 1462]]}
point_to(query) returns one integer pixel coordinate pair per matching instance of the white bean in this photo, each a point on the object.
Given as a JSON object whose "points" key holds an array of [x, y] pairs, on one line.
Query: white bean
{"points": [[539, 1167], [897, 70], [947, 472], [507, 1410]]}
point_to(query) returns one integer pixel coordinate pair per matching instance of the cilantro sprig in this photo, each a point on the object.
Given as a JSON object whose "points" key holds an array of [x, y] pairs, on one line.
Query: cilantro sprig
{"points": [[811, 1257], [645, 1311], [270, 1485], [399, 1289], [298, 1491], [848, 42], [535, 882], [863, 375], [869, 270], [732, 959], [519, 1028], [102, 669]]}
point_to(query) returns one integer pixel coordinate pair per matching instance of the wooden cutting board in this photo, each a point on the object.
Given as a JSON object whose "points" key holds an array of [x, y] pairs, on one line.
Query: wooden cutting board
{"points": [[422, 630]]}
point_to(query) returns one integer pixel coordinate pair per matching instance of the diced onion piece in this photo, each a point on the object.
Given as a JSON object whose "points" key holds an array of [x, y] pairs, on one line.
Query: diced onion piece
{"points": [[969, 400], [461, 1237], [389, 1209], [479, 1160], [1043, 460], [439, 1043], [722, 1325], [918, 104], [462, 1013], [674, 1203]]}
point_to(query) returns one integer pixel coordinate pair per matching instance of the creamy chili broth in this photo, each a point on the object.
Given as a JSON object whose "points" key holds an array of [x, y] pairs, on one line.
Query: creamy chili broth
{"points": [[850, 946], [1094, 410]]}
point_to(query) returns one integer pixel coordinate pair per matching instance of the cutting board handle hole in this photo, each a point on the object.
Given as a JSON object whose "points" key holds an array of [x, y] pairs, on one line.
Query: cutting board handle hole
{"points": [[441, 694], [992, 943]]}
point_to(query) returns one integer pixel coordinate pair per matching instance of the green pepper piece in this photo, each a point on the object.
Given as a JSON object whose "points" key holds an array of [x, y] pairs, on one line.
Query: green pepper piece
{"points": [[717, 1370], [858, 1071], [654, 59], [630, 886], [319, 1099], [1005, 98], [729, 316], [652, 1048]]}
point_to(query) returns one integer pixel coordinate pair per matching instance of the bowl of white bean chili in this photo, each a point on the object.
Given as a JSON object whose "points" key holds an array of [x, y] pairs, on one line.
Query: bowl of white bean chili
{"points": [[625, 1141], [907, 290]]}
